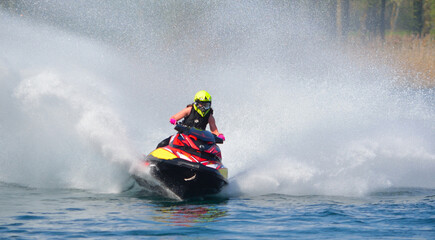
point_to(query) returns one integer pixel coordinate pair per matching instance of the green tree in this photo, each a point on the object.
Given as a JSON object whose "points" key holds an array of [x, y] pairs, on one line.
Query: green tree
{"points": [[417, 16], [343, 17], [430, 13], [382, 19], [395, 6]]}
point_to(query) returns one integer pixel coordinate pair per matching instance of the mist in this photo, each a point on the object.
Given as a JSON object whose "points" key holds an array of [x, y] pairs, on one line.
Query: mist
{"points": [[87, 88]]}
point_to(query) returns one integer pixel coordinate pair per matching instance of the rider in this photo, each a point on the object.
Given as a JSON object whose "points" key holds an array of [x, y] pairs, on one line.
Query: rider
{"points": [[198, 115]]}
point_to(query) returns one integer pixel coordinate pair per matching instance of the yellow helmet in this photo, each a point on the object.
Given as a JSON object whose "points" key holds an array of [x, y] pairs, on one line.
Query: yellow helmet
{"points": [[202, 96], [202, 102]]}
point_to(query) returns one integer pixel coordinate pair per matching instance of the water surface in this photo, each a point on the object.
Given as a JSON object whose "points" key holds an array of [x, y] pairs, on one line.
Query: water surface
{"points": [[28, 213]]}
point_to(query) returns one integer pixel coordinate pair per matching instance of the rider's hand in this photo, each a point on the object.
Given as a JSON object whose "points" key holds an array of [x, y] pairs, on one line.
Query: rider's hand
{"points": [[173, 121], [221, 136]]}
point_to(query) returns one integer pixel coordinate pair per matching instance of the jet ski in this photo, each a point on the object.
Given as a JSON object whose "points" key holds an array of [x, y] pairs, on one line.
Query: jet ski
{"points": [[189, 166]]}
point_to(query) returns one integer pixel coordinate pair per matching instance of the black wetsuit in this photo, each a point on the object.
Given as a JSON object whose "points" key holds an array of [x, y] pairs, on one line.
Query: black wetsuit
{"points": [[194, 119]]}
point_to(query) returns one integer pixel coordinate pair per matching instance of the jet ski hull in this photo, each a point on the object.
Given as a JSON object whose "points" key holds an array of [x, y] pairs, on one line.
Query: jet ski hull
{"points": [[189, 166], [184, 179]]}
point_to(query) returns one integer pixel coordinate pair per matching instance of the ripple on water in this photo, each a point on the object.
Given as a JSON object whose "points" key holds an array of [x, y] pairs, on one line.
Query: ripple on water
{"points": [[75, 209], [30, 217]]}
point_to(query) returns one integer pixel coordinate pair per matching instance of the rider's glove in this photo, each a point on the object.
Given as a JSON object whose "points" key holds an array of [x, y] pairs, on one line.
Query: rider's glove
{"points": [[221, 136], [173, 121]]}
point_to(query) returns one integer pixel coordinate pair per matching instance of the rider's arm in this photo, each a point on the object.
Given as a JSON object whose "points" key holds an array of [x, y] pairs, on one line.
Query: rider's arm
{"points": [[182, 114], [212, 123]]}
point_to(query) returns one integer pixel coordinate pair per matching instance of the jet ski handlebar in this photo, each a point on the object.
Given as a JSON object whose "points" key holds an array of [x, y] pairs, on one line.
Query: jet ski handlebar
{"points": [[218, 140], [181, 128]]}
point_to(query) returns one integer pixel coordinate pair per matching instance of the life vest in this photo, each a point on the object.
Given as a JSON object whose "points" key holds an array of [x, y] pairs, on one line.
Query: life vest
{"points": [[194, 119]]}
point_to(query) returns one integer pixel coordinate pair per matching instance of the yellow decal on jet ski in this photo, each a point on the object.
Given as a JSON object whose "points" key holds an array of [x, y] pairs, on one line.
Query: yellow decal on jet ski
{"points": [[224, 172], [163, 154]]}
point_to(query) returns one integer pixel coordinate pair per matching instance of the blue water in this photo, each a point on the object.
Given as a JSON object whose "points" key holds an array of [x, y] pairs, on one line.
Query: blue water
{"points": [[29, 213]]}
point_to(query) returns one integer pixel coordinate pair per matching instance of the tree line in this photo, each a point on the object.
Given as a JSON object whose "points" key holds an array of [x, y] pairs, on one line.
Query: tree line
{"points": [[375, 18], [368, 18]]}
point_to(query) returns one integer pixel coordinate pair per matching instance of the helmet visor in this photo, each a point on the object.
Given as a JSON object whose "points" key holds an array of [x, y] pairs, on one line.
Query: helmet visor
{"points": [[203, 105]]}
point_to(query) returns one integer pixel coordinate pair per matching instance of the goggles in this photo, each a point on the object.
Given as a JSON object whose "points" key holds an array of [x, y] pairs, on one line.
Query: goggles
{"points": [[205, 105]]}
